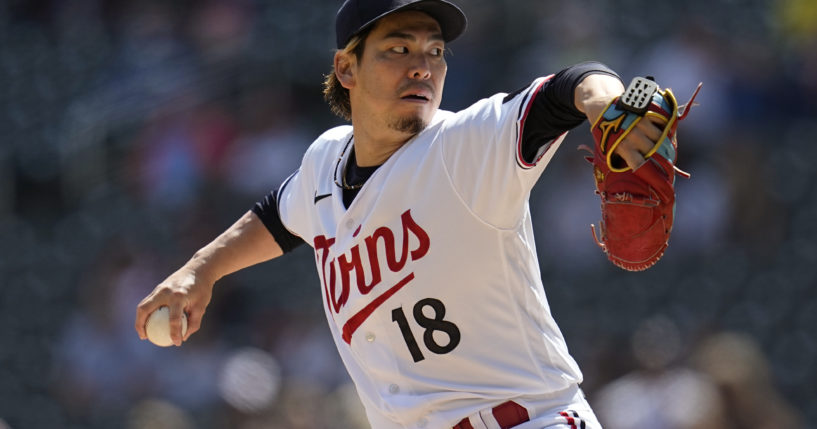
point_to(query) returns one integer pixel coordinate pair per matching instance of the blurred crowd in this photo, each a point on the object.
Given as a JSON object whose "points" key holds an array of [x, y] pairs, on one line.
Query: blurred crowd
{"points": [[134, 132]]}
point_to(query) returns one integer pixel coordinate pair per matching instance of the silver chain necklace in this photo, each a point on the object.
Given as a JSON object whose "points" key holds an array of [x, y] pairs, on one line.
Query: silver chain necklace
{"points": [[342, 184]]}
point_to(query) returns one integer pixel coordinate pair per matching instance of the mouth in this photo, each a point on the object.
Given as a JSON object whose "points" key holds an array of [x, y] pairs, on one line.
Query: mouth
{"points": [[417, 94], [420, 98]]}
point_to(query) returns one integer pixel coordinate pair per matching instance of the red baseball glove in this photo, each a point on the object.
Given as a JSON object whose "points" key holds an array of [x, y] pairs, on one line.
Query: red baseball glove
{"points": [[637, 206]]}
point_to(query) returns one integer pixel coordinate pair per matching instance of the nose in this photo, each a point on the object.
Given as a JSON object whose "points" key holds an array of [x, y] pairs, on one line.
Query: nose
{"points": [[420, 68]]}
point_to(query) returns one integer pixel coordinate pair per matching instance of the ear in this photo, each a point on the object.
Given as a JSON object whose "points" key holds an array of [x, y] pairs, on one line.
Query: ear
{"points": [[345, 63]]}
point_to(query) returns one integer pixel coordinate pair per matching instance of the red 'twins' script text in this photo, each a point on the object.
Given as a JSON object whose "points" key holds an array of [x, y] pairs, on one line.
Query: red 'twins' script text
{"points": [[343, 266]]}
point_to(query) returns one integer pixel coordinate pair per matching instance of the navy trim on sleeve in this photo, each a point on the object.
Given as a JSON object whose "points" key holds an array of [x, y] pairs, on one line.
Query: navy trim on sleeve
{"points": [[267, 211], [553, 111]]}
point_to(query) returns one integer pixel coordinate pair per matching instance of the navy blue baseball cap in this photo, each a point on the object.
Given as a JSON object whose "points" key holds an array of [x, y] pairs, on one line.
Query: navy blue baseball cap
{"points": [[355, 16]]}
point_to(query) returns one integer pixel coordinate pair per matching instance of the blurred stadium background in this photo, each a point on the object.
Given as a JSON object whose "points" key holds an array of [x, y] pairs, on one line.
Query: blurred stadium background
{"points": [[134, 132]]}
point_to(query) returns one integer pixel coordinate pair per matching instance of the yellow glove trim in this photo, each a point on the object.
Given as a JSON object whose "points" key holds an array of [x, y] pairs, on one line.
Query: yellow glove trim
{"points": [[670, 98]]}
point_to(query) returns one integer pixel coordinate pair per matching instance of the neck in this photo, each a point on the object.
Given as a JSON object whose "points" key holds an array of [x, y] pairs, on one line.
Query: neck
{"points": [[375, 148]]}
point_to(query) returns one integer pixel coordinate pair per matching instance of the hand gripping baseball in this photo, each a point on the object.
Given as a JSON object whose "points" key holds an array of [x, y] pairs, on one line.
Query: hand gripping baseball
{"points": [[637, 198], [184, 292]]}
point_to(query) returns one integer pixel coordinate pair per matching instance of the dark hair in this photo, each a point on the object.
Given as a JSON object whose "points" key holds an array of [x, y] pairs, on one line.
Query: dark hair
{"points": [[333, 92]]}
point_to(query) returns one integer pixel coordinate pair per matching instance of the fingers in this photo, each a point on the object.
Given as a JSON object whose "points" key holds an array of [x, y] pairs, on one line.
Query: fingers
{"points": [[652, 128], [634, 147], [184, 293], [177, 304], [633, 158], [143, 311], [640, 141]]}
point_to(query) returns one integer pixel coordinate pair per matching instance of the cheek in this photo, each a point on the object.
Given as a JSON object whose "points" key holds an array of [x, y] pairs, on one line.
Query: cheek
{"points": [[372, 86], [379, 82], [440, 81]]}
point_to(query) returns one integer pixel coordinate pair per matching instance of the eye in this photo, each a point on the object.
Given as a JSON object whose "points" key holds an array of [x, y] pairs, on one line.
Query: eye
{"points": [[437, 52], [400, 50]]}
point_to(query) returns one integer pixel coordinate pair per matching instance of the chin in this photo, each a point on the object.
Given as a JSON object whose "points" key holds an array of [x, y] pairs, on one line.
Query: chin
{"points": [[409, 124]]}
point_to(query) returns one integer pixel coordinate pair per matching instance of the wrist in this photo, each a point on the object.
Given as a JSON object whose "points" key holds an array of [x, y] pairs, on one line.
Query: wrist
{"points": [[595, 92], [201, 268]]}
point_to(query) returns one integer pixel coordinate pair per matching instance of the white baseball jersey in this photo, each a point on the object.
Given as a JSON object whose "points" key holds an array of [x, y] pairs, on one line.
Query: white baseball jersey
{"points": [[430, 278]]}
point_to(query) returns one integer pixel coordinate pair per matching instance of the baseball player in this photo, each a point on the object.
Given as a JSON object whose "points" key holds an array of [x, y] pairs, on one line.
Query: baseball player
{"points": [[421, 228]]}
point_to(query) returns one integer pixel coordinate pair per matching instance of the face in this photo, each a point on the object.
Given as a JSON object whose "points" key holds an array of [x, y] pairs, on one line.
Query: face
{"points": [[398, 82]]}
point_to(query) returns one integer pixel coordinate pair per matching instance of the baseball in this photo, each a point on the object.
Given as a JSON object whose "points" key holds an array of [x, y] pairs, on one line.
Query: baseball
{"points": [[158, 327]]}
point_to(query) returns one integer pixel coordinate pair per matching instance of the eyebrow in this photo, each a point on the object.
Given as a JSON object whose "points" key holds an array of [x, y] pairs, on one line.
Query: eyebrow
{"points": [[399, 34]]}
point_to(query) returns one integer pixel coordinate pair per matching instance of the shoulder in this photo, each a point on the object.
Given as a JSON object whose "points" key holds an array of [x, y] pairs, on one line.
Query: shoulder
{"points": [[328, 143], [337, 133], [498, 107], [332, 137]]}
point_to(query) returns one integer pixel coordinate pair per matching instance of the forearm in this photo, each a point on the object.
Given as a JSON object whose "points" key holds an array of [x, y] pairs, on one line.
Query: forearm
{"points": [[189, 290], [594, 93], [247, 242]]}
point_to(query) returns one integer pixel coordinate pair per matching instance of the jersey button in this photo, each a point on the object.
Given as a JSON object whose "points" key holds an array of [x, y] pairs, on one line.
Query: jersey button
{"points": [[350, 223], [370, 337], [393, 389]]}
